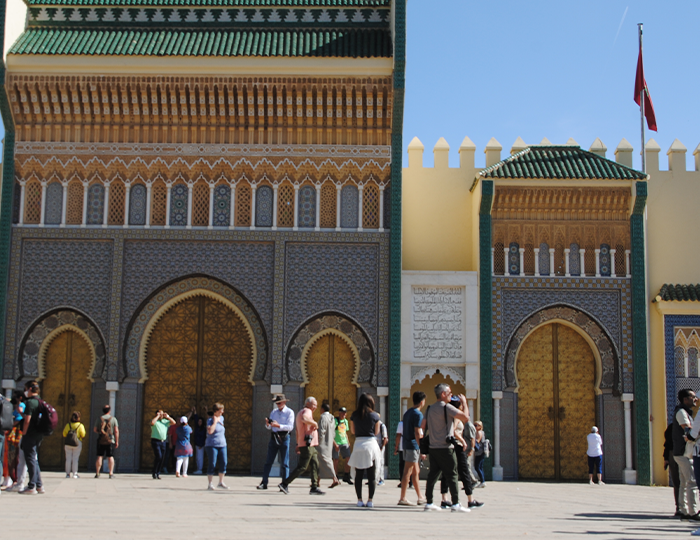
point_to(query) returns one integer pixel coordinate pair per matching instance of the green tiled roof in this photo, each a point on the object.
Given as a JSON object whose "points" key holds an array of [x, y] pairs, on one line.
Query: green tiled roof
{"points": [[248, 3], [329, 43], [681, 293], [562, 163]]}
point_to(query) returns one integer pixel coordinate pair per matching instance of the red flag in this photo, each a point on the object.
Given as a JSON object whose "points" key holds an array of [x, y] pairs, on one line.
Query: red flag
{"points": [[640, 84]]}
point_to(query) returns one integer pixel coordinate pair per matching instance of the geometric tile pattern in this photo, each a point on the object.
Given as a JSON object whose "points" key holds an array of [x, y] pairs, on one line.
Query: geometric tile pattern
{"points": [[263, 207], [137, 205], [178, 205], [222, 206], [54, 203], [307, 207], [96, 204], [674, 382], [349, 204]]}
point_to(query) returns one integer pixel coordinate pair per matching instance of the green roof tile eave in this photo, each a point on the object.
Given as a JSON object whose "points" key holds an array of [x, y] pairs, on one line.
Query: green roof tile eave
{"points": [[217, 3], [678, 293]]}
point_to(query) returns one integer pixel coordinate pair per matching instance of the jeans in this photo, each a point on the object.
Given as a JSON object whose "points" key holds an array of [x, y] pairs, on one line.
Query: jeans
{"points": [[479, 466], [199, 457], [282, 451], [688, 489], [308, 460], [371, 480], [462, 473], [218, 459], [442, 461], [72, 456], [31, 445], [158, 455]]}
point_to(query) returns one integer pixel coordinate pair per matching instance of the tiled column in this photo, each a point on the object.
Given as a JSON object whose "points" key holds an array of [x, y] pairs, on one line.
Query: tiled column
{"points": [[537, 262], [64, 204], [497, 471]]}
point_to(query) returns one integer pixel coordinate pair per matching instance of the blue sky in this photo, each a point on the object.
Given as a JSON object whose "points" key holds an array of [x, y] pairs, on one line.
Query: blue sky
{"points": [[554, 69]]}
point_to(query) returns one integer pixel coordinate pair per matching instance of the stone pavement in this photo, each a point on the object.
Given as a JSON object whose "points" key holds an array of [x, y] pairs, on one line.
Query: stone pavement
{"points": [[136, 506]]}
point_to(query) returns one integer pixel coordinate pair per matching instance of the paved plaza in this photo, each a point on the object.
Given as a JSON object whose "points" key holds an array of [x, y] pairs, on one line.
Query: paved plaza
{"points": [[135, 506]]}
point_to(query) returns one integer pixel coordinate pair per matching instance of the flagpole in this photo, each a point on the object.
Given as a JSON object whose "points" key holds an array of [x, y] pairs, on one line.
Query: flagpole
{"points": [[641, 106]]}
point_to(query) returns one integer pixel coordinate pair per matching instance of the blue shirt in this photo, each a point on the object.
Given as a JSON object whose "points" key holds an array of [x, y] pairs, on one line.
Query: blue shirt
{"points": [[285, 418], [218, 438], [412, 419]]}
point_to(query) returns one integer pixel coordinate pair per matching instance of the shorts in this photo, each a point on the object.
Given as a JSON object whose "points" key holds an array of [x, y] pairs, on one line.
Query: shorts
{"points": [[411, 456], [343, 450], [595, 465], [105, 450]]}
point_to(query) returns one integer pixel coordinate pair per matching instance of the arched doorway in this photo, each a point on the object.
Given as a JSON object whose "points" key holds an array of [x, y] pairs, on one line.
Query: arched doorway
{"points": [[556, 374], [66, 385], [200, 352], [428, 384], [330, 371]]}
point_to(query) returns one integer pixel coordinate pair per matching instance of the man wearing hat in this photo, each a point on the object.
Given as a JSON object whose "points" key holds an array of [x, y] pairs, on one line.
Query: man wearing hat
{"points": [[280, 423]]}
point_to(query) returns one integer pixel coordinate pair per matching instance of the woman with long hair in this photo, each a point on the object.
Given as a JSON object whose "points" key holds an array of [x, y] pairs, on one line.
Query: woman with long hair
{"points": [[216, 446], [364, 424]]}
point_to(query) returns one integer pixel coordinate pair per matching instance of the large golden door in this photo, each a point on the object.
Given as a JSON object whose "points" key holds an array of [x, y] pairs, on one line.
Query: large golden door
{"points": [[200, 353], [67, 387], [556, 404], [330, 368]]}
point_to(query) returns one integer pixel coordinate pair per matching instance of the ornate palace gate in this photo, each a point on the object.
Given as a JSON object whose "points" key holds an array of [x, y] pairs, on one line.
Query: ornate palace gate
{"points": [[67, 387], [556, 404], [200, 353], [330, 368]]}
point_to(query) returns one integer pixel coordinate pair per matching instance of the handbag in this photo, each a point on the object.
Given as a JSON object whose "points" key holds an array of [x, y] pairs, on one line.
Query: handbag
{"points": [[72, 438]]}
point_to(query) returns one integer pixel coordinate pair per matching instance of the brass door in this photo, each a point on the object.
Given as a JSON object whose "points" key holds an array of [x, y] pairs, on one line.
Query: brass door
{"points": [[68, 388], [200, 353], [556, 404]]}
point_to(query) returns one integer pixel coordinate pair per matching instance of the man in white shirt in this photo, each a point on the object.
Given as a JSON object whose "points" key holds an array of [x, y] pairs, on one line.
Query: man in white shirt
{"points": [[280, 423], [595, 456], [682, 425]]}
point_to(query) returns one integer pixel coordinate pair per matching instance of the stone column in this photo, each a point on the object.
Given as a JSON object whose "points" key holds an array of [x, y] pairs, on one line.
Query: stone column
{"points": [[567, 252], [318, 208], [232, 212], [537, 262], [113, 387], [613, 273], [64, 205], [105, 210], [627, 262], [552, 270], [359, 209], [126, 205], [337, 208], [506, 269], [296, 209], [252, 208], [582, 261], [597, 263], [21, 204], [43, 204], [9, 385], [497, 471], [189, 206], [629, 474], [493, 251], [167, 205], [211, 207], [522, 261], [149, 202], [274, 208], [382, 393]]}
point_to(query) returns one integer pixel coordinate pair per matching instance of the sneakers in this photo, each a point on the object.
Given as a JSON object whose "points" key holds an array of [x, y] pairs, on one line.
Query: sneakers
{"points": [[76, 475], [459, 508], [222, 486], [28, 491], [404, 502], [67, 475], [316, 491], [601, 483], [211, 487], [591, 482], [422, 501], [41, 490], [481, 485], [380, 483], [475, 504], [284, 489], [431, 508], [261, 486], [360, 504], [445, 504], [369, 504]]}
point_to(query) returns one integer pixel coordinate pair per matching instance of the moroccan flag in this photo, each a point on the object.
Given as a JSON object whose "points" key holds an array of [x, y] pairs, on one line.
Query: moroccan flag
{"points": [[640, 84]]}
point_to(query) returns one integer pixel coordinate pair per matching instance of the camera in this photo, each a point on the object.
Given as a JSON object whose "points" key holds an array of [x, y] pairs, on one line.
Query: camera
{"points": [[308, 439]]}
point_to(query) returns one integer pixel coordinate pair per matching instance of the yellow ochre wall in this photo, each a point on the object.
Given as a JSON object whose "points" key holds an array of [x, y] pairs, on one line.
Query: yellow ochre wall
{"points": [[672, 257], [439, 221]]}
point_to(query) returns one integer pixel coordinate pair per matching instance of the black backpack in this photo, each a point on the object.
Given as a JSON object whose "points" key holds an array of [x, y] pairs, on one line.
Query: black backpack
{"points": [[6, 420]]}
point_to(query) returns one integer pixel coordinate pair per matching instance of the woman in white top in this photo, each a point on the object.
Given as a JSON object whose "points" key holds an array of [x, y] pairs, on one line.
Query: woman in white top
{"points": [[595, 456]]}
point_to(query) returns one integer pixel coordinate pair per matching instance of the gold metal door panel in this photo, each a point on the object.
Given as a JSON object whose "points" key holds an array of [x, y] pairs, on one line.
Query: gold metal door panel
{"points": [[344, 391], [200, 353], [318, 372], [67, 387], [576, 402], [535, 401], [226, 362]]}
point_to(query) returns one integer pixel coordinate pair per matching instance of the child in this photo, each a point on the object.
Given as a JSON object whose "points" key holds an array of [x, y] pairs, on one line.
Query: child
{"points": [[183, 448]]}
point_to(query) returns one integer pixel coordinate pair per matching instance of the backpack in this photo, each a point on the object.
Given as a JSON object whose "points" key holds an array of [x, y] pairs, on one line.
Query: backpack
{"points": [[72, 438], [105, 432], [6, 420], [48, 418]]}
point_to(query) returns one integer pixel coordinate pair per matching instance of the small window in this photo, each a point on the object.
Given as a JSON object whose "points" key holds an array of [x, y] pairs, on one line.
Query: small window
{"points": [[307, 207], [54, 204], [349, 205], [137, 205], [263, 206]]}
